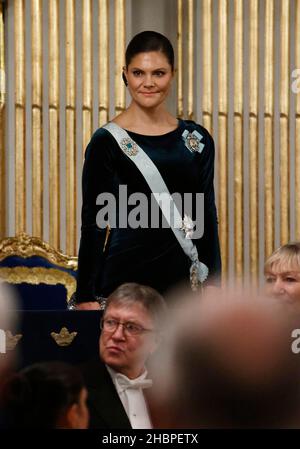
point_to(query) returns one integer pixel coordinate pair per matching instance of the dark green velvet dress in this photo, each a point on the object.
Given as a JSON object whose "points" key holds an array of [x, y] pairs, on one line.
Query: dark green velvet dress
{"points": [[150, 256]]}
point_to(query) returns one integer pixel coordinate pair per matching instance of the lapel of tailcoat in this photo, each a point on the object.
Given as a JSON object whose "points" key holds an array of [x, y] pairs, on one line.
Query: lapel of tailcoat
{"points": [[106, 408]]}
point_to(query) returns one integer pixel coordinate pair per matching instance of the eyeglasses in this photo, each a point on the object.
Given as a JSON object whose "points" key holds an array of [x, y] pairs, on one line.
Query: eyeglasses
{"points": [[130, 329]]}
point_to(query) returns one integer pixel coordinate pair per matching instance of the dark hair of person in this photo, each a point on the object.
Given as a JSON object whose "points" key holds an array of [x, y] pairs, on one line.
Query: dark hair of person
{"points": [[149, 41], [148, 297], [39, 395], [124, 79]]}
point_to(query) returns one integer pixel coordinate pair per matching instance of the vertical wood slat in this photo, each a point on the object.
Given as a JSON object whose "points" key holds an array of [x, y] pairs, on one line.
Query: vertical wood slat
{"points": [[179, 58], [222, 123], [2, 126], [284, 124], [87, 71], [119, 55], [297, 119], [103, 64], [20, 155], [70, 130], [190, 111], [207, 99], [253, 138], [36, 117], [54, 101], [268, 127], [238, 137]]}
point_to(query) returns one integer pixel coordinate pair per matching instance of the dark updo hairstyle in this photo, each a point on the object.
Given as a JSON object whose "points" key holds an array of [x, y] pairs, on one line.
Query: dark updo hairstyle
{"points": [[39, 395], [149, 41]]}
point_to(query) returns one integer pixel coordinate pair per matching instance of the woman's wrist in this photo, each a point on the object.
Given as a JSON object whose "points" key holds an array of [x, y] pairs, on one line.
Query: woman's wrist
{"points": [[97, 303], [89, 305]]}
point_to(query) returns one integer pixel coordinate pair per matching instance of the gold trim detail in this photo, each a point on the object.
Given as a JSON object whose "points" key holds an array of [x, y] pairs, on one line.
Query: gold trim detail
{"points": [[20, 115], [64, 338], [70, 127], [87, 72], [120, 33], [284, 122], [269, 128], [179, 58], [39, 275], [12, 340], [253, 139], [54, 108], [238, 138], [207, 45], [223, 133], [190, 42], [25, 246], [37, 116], [103, 64]]}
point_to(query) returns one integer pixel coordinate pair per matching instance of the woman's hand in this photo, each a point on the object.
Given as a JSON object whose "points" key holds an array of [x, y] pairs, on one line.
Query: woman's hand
{"points": [[91, 305]]}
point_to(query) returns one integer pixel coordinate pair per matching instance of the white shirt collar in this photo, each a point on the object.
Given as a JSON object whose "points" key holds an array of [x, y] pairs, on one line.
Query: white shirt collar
{"points": [[133, 399]]}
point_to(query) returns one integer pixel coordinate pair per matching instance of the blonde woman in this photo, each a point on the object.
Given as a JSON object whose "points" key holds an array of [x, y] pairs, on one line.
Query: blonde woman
{"points": [[282, 273]]}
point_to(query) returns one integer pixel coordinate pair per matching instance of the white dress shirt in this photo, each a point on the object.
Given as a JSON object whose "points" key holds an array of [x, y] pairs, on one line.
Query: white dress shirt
{"points": [[130, 392]]}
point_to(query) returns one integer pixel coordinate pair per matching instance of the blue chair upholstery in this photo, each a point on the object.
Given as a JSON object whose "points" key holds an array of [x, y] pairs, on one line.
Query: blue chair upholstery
{"points": [[44, 278], [63, 335]]}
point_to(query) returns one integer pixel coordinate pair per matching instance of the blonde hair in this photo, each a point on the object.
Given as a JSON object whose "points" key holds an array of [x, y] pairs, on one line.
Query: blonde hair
{"points": [[287, 256]]}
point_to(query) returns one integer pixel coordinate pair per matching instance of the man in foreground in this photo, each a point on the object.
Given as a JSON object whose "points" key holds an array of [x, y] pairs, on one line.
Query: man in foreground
{"points": [[229, 364], [131, 332]]}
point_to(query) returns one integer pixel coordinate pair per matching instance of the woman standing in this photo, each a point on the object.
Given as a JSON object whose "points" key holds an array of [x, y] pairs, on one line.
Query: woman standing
{"points": [[146, 153]]}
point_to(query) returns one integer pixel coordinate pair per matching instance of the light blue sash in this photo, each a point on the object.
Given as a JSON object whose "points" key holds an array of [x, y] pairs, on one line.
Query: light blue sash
{"points": [[198, 270]]}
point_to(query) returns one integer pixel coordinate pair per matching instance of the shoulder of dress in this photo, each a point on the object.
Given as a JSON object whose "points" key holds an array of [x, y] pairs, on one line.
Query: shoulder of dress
{"points": [[101, 133], [193, 126], [101, 140]]}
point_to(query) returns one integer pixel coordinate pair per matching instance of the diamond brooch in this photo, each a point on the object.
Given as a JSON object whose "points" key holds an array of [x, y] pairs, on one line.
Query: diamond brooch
{"points": [[193, 141], [129, 146]]}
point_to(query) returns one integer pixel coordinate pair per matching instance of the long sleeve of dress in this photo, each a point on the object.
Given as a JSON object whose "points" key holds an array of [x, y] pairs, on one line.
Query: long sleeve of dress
{"points": [[96, 178], [208, 246]]}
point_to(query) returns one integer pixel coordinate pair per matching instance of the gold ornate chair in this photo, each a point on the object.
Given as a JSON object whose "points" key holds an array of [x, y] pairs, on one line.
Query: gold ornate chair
{"points": [[44, 277]]}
